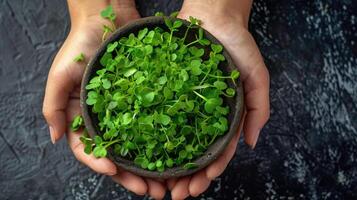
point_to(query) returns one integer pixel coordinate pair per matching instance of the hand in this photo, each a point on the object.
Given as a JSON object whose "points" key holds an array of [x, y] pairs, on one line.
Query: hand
{"points": [[61, 101], [228, 23]]}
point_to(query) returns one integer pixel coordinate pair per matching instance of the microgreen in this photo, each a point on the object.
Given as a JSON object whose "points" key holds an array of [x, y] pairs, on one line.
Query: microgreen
{"points": [[158, 97], [77, 123], [79, 58], [109, 14]]}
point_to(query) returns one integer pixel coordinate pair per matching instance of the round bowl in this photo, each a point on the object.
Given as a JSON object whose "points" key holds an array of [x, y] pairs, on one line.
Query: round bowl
{"points": [[235, 104]]}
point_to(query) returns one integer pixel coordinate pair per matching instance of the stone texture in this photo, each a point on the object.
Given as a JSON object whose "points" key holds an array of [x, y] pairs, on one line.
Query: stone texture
{"points": [[306, 151]]}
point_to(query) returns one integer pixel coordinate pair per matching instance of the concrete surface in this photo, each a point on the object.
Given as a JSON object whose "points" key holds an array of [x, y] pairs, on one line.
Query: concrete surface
{"points": [[308, 150]]}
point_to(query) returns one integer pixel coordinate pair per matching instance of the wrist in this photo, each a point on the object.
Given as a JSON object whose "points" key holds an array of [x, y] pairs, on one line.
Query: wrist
{"points": [[85, 11], [207, 10]]}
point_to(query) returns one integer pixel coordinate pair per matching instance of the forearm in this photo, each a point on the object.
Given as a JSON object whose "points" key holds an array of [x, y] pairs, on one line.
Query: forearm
{"points": [[81, 10], [239, 9]]}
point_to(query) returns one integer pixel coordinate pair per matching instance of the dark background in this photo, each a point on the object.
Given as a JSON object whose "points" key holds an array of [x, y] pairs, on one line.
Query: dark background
{"points": [[308, 150]]}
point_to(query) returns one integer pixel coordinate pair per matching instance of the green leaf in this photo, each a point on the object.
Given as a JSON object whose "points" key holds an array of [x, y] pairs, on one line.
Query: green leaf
{"points": [[220, 85], [184, 75], [141, 161], [148, 49], [183, 154], [112, 105], [177, 24], [190, 166], [190, 106], [230, 92], [163, 119], [149, 97], [200, 33], [169, 163], [98, 140], [168, 94], [99, 152], [142, 33], [174, 14], [104, 61], [140, 80], [162, 80], [173, 57], [186, 130], [195, 67], [216, 48], [168, 22], [158, 163], [146, 120], [151, 166], [204, 42], [129, 145], [196, 52], [223, 110], [111, 47], [79, 58], [106, 83], [159, 14], [92, 98], [124, 151], [130, 72], [108, 13], [211, 104], [77, 123], [169, 146], [235, 74], [194, 21], [127, 118]]}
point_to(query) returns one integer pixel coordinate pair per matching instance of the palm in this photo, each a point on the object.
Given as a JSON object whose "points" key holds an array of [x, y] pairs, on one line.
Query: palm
{"points": [[61, 102]]}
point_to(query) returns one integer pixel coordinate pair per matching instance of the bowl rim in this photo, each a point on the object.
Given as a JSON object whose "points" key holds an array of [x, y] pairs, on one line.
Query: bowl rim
{"points": [[209, 156]]}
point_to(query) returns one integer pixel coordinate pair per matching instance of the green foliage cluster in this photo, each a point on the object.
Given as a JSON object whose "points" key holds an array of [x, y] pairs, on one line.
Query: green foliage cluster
{"points": [[158, 97]]}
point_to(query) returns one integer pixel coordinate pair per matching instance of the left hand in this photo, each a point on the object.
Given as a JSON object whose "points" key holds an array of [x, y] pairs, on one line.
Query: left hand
{"points": [[61, 102]]}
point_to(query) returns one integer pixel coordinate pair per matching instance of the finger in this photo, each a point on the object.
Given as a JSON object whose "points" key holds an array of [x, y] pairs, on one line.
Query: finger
{"points": [[171, 183], [199, 183], [100, 165], [180, 190], [131, 182], [155, 189], [218, 166], [256, 88]]}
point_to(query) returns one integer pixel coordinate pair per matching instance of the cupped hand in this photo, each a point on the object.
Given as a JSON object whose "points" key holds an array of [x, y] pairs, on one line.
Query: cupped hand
{"points": [[232, 32], [61, 102]]}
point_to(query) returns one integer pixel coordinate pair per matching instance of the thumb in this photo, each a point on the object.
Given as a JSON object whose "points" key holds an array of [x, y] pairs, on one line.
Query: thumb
{"points": [[256, 89]]}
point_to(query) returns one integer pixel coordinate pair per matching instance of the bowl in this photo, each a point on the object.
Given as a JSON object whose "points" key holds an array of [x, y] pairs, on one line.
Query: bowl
{"points": [[235, 104]]}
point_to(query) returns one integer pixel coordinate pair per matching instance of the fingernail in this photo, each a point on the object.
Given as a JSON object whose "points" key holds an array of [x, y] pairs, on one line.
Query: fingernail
{"points": [[52, 134], [255, 140]]}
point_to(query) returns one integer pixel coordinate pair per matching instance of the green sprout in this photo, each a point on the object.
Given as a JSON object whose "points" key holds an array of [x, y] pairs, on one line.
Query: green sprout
{"points": [[159, 98], [79, 58]]}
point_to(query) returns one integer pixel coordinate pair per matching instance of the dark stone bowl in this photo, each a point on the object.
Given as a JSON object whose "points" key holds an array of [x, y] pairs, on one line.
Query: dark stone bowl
{"points": [[235, 104]]}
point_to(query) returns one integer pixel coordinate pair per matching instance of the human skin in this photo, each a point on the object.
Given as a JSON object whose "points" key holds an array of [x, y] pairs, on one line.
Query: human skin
{"points": [[226, 19], [61, 102]]}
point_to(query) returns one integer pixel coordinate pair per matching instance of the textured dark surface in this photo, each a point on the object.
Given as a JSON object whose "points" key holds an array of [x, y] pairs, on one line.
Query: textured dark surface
{"points": [[308, 150]]}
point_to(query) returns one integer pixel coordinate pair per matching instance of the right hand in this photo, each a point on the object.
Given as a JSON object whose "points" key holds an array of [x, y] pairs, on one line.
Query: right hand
{"points": [[61, 102]]}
